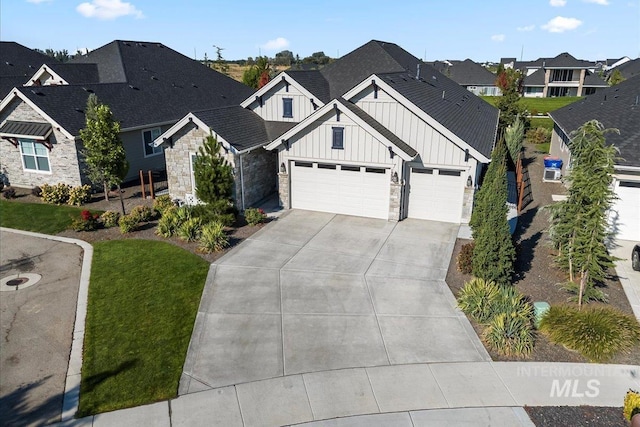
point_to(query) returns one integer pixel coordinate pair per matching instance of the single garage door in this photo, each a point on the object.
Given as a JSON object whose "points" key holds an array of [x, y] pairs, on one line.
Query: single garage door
{"points": [[626, 210], [344, 189], [436, 194]]}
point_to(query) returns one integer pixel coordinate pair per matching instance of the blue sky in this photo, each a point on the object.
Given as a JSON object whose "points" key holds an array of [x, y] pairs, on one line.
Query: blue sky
{"points": [[430, 29]]}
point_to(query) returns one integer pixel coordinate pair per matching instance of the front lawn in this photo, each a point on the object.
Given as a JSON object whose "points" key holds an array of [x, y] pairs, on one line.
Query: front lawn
{"points": [[37, 217], [143, 300], [539, 105]]}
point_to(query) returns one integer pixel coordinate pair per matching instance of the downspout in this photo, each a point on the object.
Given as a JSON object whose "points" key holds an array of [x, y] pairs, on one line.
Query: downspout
{"points": [[241, 181]]}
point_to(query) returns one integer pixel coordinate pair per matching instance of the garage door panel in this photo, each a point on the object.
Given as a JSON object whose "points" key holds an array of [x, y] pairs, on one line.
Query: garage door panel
{"points": [[626, 210], [435, 196], [348, 190]]}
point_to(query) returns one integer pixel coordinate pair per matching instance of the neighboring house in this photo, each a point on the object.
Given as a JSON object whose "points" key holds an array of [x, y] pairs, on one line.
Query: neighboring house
{"points": [[563, 75], [18, 64], [148, 87], [616, 107], [470, 75], [377, 133], [628, 69]]}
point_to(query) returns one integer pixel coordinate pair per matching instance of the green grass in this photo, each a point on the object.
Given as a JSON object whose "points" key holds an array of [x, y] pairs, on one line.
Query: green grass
{"points": [[143, 300], [541, 122], [541, 105], [37, 217]]}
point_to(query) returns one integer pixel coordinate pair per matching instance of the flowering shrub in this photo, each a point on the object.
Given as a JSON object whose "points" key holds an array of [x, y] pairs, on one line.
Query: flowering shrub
{"points": [[110, 218], [78, 196], [55, 194], [86, 222], [255, 216]]}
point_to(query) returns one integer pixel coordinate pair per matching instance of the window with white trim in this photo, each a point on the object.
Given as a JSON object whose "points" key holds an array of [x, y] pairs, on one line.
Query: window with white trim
{"points": [[147, 141], [35, 156]]}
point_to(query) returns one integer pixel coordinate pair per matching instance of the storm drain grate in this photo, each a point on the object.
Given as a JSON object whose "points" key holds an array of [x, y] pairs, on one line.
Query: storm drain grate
{"points": [[16, 282]]}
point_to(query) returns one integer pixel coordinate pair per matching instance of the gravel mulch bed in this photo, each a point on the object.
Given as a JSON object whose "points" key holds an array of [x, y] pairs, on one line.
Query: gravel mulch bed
{"points": [[576, 416], [537, 277]]}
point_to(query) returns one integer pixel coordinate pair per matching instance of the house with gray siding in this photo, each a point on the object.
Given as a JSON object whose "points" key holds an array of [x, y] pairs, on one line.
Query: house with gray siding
{"points": [[617, 107], [148, 87]]}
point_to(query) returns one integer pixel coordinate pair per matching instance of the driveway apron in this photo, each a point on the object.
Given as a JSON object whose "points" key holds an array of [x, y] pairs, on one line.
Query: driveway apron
{"points": [[316, 291]]}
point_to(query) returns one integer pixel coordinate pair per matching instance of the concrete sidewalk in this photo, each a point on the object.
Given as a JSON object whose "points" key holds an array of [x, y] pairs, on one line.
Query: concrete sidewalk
{"points": [[629, 279], [409, 395]]}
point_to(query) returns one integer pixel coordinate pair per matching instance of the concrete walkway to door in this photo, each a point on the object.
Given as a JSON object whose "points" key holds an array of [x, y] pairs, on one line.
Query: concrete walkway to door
{"points": [[316, 291]]}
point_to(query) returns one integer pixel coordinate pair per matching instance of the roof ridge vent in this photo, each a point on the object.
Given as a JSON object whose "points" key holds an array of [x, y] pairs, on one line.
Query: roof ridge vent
{"points": [[86, 89], [133, 87], [37, 92]]}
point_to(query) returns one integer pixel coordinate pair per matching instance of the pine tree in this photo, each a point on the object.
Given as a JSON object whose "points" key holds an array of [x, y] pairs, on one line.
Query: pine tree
{"points": [[494, 253], [579, 227], [104, 154], [213, 176]]}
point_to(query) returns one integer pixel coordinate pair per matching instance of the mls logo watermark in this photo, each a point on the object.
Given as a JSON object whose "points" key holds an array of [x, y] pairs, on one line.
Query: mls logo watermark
{"points": [[575, 388]]}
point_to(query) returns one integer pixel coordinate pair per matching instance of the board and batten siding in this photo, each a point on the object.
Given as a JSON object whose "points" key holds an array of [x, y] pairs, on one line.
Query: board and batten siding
{"points": [[272, 108], [360, 147], [434, 148]]}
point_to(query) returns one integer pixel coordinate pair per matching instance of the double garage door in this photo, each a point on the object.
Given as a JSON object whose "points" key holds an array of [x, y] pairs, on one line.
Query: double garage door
{"points": [[626, 210], [436, 194], [344, 189]]}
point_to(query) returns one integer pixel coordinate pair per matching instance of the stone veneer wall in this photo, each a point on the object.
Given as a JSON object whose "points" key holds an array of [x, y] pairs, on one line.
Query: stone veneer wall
{"points": [[467, 205], [283, 190], [63, 157], [258, 168], [394, 201]]}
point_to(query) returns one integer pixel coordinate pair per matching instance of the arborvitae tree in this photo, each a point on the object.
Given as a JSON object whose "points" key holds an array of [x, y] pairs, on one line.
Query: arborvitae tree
{"points": [[104, 154], [498, 156], [579, 227], [513, 136], [213, 176], [494, 253]]}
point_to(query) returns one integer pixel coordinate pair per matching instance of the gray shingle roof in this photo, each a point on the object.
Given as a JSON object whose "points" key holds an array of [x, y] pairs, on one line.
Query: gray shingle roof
{"points": [[161, 86], [566, 60], [18, 64], [379, 127], [629, 69], [240, 127], [313, 81], [371, 58], [594, 80], [466, 73], [275, 129], [535, 79], [77, 73], [469, 117], [615, 107]]}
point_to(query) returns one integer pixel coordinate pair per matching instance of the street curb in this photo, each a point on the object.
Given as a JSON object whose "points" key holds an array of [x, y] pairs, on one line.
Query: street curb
{"points": [[72, 384]]}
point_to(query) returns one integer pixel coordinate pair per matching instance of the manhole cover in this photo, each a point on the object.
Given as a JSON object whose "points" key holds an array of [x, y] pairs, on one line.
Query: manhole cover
{"points": [[15, 282]]}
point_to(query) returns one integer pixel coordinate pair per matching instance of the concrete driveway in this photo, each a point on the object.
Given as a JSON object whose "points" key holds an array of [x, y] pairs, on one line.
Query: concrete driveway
{"points": [[629, 278], [316, 291]]}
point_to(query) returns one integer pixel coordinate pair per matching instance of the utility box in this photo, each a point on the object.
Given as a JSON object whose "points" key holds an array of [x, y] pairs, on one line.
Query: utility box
{"points": [[540, 308]]}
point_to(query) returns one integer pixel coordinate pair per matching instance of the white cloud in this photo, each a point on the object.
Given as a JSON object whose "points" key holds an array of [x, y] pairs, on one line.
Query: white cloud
{"points": [[38, 1], [600, 2], [526, 28], [557, 3], [560, 24], [276, 44], [497, 37], [108, 9]]}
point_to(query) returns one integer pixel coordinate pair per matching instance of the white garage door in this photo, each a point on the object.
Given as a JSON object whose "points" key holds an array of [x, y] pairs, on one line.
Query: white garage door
{"points": [[344, 189], [626, 210], [436, 194]]}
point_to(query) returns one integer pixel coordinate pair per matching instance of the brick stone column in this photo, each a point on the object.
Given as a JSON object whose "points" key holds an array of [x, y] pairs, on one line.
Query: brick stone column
{"points": [[394, 201], [283, 190]]}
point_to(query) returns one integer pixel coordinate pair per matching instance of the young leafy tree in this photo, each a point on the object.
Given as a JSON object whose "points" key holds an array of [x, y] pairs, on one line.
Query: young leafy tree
{"points": [[509, 83], [213, 176], [579, 227], [494, 253], [104, 154]]}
